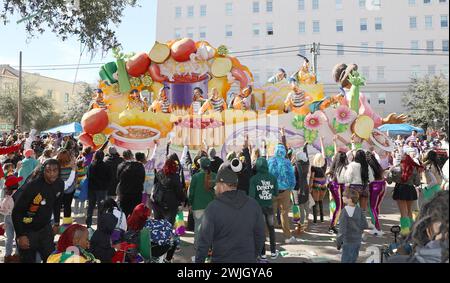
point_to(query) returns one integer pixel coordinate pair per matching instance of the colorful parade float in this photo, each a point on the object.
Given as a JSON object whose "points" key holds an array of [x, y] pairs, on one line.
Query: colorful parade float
{"points": [[179, 89]]}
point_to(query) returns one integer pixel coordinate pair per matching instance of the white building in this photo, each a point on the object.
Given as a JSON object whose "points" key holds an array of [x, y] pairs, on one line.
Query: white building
{"points": [[370, 33]]}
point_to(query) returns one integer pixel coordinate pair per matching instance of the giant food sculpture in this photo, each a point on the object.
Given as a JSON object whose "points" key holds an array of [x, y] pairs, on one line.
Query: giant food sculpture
{"points": [[171, 71]]}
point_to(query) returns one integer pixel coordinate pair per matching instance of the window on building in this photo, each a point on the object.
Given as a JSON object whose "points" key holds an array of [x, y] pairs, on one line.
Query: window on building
{"points": [[202, 32], [378, 23], [177, 33], [415, 71], [382, 98], [442, 1], [269, 28], [178, 12], [301, 27], [363, 24], [339, 26], [50, 93], [365, 48], [432, 70], [315, 4], [229, 9], [339, 4], [340, 49], [316, 26], [426, 1], [190, 32], [430, 45], [444, 21], [415, 46], [380, 73], [412, 22], [428, 22], [190, 11], [228, 30], [203, 11], [256, 29], [301, 5], [362, 4], [255, 6], [412, 2], [66, 97], [380, 47], [302, 49], [269, 6], [445, 45], [365, 72]]}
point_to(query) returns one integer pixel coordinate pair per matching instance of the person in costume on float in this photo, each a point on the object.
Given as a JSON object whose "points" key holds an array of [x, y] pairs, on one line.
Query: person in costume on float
{"points": [[358, 176], [215, 103], [318, 182], [279, 76], [341, 73], [377, 191], [296, 101], [135, 101], [245, 100], [406, 176], [197, 101], [304, 75], [337, 184], [99, 102], [162, 104]]}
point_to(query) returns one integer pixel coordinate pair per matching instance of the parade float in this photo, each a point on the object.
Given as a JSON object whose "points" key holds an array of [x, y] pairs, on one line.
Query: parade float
{"points": [[170, 73]]}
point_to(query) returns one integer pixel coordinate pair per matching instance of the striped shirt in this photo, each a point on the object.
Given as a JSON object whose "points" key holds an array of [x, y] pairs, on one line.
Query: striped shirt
{"points": [[295, 100], [217, 105]]}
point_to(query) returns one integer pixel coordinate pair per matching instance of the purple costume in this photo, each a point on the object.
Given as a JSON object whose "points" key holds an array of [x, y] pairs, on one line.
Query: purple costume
{"points": [[377, 191], [336, 191]]}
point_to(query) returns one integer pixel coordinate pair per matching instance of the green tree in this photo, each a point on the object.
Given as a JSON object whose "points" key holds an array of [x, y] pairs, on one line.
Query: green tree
{"points": [[90, 21], [78, 106], [427, 102], [34, 107]]}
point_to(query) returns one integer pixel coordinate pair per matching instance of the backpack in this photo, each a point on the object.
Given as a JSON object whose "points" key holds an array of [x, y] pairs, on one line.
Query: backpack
{"points": [[162, 195]]}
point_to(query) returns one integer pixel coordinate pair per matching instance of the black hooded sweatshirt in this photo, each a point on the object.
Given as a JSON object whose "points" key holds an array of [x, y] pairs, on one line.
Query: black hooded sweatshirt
{"points": [[112, 162], [234, 225], [131, 177], [247, 173], [100, 243]]}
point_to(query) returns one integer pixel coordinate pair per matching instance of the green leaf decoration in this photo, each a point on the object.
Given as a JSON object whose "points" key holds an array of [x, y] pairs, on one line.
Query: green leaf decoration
{"points": [[311, 136], [299, 122], [222, 50], [356, 79], [329, 151]]}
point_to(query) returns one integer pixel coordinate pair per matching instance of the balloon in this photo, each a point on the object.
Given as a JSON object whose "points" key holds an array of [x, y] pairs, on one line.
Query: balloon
{"points": [[138, 64], [182, 50], [95, 121], [86, 140]]}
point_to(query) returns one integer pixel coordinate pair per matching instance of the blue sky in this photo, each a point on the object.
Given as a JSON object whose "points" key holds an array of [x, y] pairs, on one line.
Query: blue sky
{"points": [[136, 33]]}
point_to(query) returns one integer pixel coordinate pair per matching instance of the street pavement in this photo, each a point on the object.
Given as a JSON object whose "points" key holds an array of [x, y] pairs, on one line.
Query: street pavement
{"points": [[314, 246]]}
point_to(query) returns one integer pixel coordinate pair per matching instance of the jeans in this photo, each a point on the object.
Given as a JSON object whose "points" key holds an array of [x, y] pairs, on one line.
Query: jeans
{"points": [[9, 233], [283, 200], [350, 252], [198, 217], [94, 198], [304, 212], [269, 219], [40, 242]]}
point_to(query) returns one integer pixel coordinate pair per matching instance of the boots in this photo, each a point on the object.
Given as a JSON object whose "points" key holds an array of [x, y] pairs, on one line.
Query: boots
{"points": [[314, 208], [405, 226], [321, 211]]}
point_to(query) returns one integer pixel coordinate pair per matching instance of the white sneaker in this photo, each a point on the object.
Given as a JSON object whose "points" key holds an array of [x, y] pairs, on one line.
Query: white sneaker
{"points": [[263, 257], [193, 259], [274, 255], [291, 240], [370, 224], [376, 232]]}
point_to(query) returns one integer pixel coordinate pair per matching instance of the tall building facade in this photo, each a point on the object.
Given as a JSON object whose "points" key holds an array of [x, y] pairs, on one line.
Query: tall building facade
{"points": [[391, 41]]}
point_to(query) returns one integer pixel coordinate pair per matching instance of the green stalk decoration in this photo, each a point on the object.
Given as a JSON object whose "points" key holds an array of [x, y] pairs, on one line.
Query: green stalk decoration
{"points": [[357, 81], [124, 80]]}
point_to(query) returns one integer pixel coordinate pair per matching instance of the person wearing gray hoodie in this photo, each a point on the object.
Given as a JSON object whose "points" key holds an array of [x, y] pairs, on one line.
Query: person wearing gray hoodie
{"points": [[232, 225]]}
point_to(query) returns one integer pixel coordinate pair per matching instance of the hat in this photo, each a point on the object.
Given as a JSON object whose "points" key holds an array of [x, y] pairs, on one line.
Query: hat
{"points": [[212, 153], [226, 175], [236, 165], [28, 153], [205, 163], [112, 150], [11, 181]]}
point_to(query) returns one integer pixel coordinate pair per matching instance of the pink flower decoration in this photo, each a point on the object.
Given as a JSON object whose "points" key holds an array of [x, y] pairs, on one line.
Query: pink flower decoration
{"points": [[312, 121], [345, 115]]}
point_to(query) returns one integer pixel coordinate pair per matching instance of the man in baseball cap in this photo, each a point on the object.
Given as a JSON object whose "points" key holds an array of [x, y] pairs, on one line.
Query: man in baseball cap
{"points": [[233, 223]]}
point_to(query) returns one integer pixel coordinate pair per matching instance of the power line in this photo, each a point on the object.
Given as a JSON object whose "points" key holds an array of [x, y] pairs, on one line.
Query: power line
{"points": [[388, 48]]}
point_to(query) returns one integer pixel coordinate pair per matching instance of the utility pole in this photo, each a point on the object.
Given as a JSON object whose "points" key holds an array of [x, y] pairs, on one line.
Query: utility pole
{"points": [[19, 105], [315, 51]]}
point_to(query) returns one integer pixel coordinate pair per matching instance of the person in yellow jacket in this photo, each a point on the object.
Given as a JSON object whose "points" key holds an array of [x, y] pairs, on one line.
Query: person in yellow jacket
{"points": [[162, 104], [214, 104]]}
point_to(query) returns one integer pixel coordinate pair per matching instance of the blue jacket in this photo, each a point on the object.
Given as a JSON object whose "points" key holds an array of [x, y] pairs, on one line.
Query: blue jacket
{"points": [[282, 169]]}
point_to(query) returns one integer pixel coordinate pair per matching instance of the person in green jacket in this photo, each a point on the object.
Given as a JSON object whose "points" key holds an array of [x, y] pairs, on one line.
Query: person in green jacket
{"points": [[264, 188], [201, 193]]}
